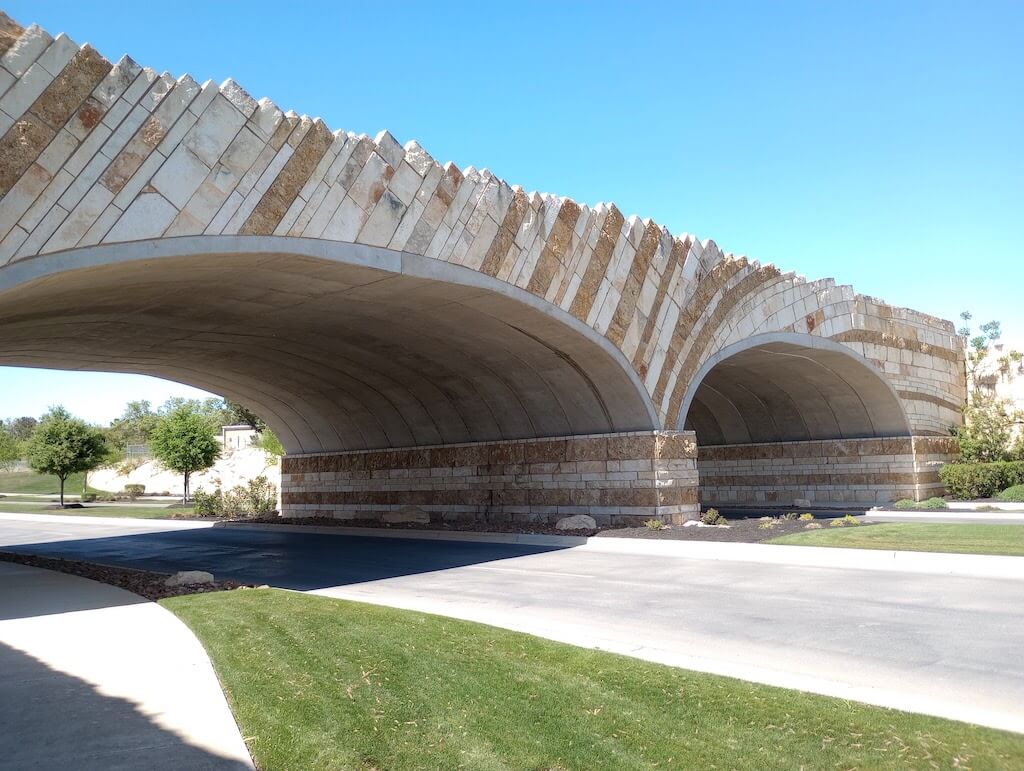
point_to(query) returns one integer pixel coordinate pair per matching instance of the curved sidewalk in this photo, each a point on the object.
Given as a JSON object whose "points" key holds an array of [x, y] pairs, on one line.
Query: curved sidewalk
{"points": [[98, 678]]}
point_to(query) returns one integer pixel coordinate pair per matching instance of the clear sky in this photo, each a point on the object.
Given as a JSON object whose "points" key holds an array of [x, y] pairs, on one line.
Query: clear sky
{"points": [[881, 143]]}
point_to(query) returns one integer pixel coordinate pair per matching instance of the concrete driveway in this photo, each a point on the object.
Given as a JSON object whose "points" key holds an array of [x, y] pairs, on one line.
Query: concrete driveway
{"points": [[929, 643]]}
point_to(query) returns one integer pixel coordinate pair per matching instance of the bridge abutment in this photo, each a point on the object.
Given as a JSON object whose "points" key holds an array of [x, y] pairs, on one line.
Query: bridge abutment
{"points": [[619, 479]]}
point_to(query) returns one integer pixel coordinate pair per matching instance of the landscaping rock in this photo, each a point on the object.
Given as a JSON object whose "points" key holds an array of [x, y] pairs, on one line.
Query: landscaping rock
{"points": [[577, 522], [189, 577], [407, 514]]}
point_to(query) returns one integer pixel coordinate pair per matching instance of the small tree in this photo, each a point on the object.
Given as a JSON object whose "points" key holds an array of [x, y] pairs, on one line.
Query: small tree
{"points": [[185, 441], [10, 449], [62, 445], [977, 350], [987, 432]]}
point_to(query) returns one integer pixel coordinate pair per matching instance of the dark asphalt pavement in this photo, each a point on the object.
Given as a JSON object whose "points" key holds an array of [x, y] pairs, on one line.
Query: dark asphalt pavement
{"points": [[301, 561]]}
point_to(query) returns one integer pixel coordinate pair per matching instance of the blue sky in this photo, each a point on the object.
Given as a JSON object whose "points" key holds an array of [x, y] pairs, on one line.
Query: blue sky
{"points": [[877, 142]]}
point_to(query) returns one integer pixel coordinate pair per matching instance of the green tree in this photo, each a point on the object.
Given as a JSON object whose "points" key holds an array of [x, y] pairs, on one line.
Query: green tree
{"points": [[185, 441], [10, 449], [22, 428], [62, 445], [135, 425], [269, 443], [987, 432], [978, 348], [242, 415], [215, 411]]}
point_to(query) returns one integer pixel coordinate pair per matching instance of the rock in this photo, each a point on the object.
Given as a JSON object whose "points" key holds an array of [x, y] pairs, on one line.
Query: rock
{"points": [[812, 526], [407, 514], [577, 522], [187, 577], [802, 503]]}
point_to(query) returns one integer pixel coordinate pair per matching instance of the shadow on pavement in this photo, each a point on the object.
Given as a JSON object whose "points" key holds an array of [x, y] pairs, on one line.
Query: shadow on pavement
{"points": [[288, 560], [53, 720]]}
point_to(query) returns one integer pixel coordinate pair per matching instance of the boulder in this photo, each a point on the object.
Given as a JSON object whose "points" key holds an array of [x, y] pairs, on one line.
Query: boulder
{"points": [[577, 522], [407, 514], [187, 577]]}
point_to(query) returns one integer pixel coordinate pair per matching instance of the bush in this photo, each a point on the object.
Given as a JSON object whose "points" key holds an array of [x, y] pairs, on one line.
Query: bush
{"points": [[837, 523], [1013, 494], [206, 504], [88, 497], [806, 516], [789, 516], [712, 517], [134, 491], [966, 481], [767, 523], [255, 499], [654, 524], [934, 504], [106, 497]]}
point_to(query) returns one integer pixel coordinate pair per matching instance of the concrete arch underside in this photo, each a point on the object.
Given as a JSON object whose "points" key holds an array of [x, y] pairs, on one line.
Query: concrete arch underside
{"points": [[338, 346]]}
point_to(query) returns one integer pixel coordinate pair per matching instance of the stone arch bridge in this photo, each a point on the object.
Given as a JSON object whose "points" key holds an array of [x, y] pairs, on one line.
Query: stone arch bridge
{"points": [[423, 335]]}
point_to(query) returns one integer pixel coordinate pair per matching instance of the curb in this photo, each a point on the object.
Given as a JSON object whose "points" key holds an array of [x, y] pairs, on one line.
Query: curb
{"points": [[954, 515]]}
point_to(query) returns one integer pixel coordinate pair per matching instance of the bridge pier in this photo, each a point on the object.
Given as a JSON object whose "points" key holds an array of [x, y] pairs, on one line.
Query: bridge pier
{"points": [[619, 479]]}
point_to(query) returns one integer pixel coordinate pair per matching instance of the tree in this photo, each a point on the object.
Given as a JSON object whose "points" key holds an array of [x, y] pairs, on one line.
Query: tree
{"points": [[10, 449], [135, 425], [987, 431], [269, 443], [240, 414], [185, 441], [62, 445], [977, 350], [21, 428]]}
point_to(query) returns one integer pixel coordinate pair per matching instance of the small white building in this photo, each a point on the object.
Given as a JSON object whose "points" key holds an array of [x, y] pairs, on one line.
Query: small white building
{"points": [[236, 437]]}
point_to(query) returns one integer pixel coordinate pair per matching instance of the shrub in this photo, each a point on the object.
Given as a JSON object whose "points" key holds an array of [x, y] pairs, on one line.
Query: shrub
{"points": [[206, 504], [806, 516], [934, 504], [712, 517], [134, 491], [88, 497], [789, 516], [1014, 494], [981, 480], [128, 466], [837, 523], [106, 497], [654, 524], [904, 504], [851, 520], [768, 523]]}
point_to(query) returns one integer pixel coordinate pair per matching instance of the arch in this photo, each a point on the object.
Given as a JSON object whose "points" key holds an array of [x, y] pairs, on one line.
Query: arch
{"points": [[339, 346], [789, 386]]}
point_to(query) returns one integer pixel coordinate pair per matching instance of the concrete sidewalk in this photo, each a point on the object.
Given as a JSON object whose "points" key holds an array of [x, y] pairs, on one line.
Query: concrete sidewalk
{"points": [[98, 678]]}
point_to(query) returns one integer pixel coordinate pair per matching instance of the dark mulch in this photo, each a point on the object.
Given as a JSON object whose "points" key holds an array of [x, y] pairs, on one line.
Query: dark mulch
{"points": [[142, 582], [740, 530], [532, 528]]}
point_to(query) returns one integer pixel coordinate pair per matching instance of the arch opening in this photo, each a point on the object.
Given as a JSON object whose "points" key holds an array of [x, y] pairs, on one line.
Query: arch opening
{"points": [[786, 418], [337, 346]]}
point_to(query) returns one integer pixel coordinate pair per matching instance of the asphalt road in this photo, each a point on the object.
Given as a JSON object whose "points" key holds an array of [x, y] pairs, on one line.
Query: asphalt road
{"points": [[930, 643]]}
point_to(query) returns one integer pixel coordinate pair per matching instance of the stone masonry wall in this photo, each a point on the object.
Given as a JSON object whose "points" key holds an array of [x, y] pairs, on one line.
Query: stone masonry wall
{"points": [[865, 471], [620, 479]]}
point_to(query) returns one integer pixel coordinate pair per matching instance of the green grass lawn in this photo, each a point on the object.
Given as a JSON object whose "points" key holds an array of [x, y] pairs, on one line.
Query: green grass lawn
{"points": [[91, 510], [31, 482], [912, 536], [317, 683]]}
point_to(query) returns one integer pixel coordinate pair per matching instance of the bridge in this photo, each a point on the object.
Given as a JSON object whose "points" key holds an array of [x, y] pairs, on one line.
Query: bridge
{"points": [[423, 335]]}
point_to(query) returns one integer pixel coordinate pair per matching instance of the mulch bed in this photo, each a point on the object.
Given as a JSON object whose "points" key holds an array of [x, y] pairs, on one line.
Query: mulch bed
{"points": [[740, 530], [142, 582]]}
